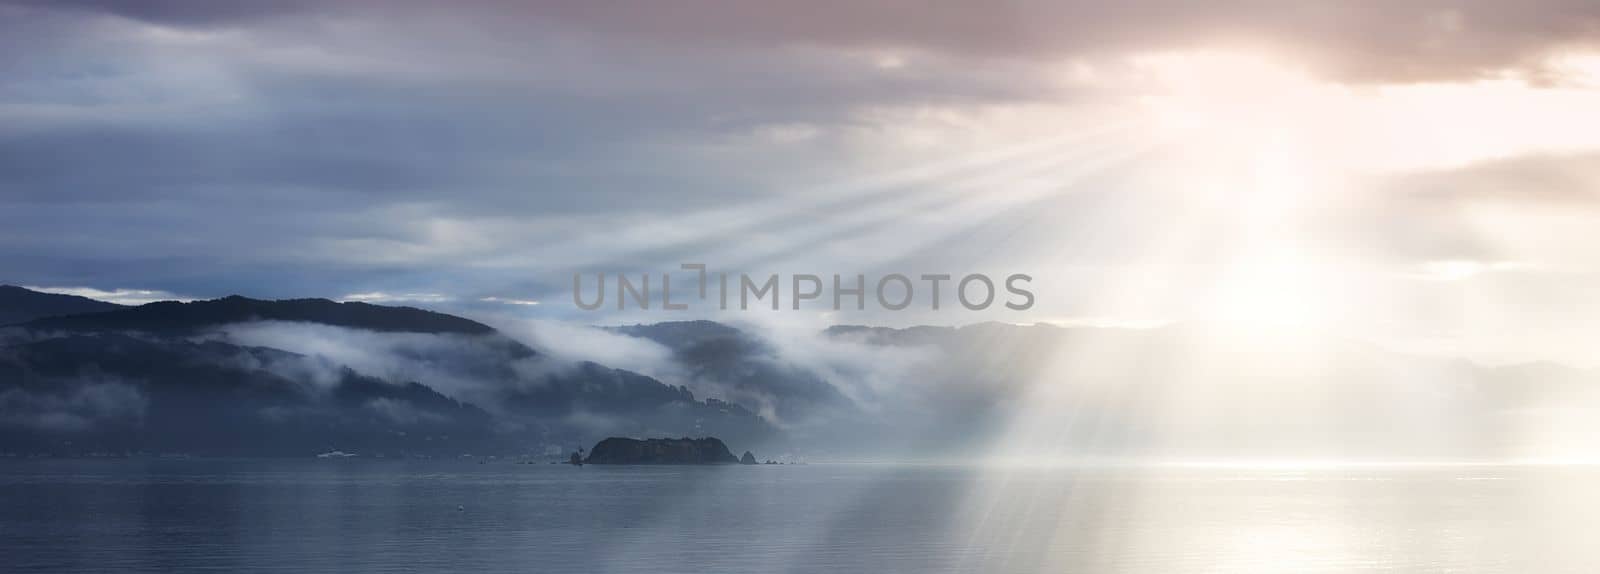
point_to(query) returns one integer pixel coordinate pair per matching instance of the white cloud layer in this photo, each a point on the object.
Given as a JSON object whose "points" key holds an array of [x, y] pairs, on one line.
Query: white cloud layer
{"points": [[118, 296]]}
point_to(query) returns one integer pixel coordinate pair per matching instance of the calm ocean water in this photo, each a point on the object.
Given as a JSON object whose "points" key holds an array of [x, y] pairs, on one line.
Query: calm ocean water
{"points": [[420, 516]]}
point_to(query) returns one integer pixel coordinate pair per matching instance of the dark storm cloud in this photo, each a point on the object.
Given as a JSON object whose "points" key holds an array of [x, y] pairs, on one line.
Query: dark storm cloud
{"points": [[1364, 39], [205, 149], [187, 12], [404, 107]]}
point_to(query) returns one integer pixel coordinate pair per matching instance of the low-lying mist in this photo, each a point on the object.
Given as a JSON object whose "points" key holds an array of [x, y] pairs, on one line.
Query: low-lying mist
{"points": [[981, 392]]}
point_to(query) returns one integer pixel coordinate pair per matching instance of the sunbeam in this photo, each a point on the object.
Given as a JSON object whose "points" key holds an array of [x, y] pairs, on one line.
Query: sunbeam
{"points": [[1150, 287]]}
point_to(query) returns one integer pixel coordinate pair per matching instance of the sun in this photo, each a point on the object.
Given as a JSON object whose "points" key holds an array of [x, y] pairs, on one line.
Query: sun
{"points": [[1244, 129]]}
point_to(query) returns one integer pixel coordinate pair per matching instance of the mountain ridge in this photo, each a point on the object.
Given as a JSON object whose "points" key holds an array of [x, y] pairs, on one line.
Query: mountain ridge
{"points": [[228, 377], [174, 316], [20, 305]]}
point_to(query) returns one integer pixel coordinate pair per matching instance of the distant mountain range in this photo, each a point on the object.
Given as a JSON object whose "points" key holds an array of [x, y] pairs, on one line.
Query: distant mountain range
{"points": [[182, 378], [119, 393], [18, 305], [172, 317], [745, 368], [239, 376]]}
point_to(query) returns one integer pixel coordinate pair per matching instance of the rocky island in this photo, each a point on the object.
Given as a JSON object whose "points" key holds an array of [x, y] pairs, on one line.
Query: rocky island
{"points": [[617, 450]]}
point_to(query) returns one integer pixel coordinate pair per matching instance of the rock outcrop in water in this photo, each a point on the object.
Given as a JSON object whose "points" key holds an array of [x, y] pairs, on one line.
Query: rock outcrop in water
{"points": [[616, 450], [747, 458]]}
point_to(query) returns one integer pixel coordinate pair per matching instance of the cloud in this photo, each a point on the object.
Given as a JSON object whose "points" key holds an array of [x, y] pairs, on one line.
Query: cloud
{"points": [[468, 368], [1570, 180], [80, 406], [118, 296], [384, 143], [1369, 39], [474, 156], [382, 297], [1458, 270], [509, 301], [1364, 39], [182, 12], [402, 413], [573, 342], [1531, 212]]}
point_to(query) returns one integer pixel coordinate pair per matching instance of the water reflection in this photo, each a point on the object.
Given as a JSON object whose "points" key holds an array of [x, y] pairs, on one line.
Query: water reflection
{"points": [[156, 515]]}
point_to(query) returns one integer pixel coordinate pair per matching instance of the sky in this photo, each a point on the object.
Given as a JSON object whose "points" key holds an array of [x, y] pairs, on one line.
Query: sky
{"points": [[1423, 174]]}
